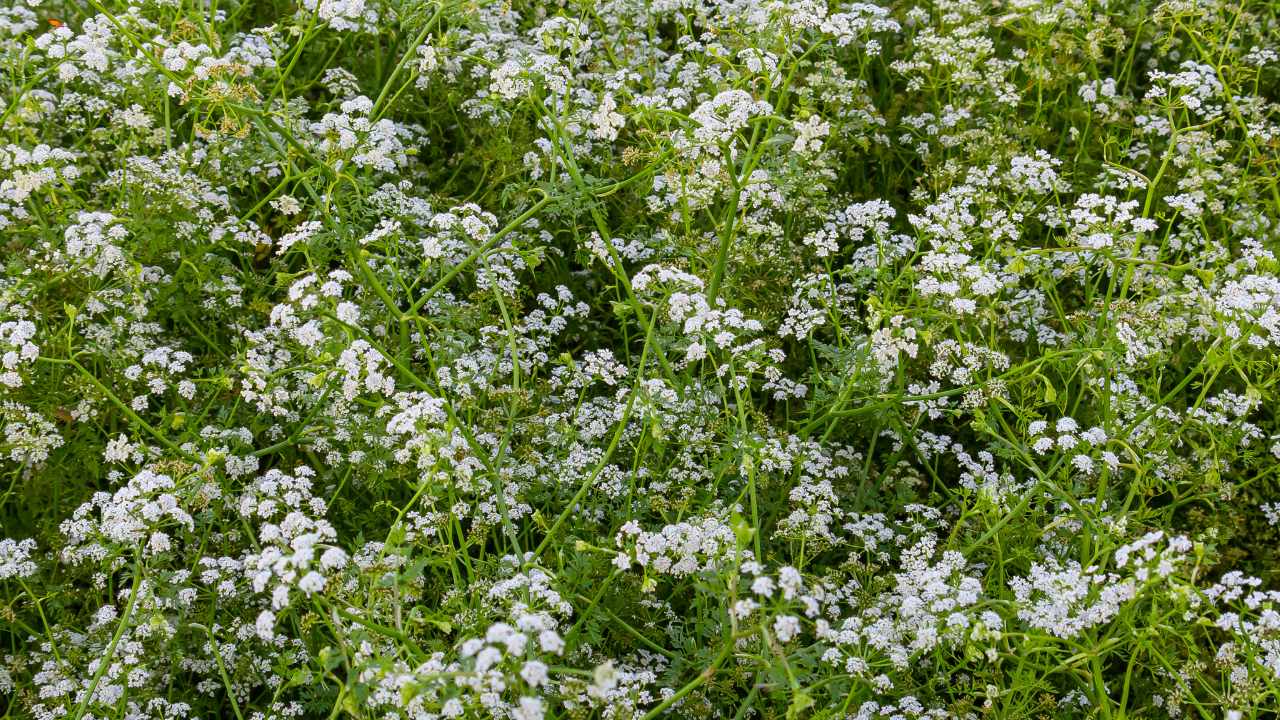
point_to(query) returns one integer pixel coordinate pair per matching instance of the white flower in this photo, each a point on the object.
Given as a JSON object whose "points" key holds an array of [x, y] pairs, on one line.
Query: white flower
{"points": [[15, 558], [287, 205], [809, 135], [606, 121], [534, 673], [530, 708], [266, 625], [1083, 463], [333, 559], [762, 586], [550, 641], [786, 627], [118, 450]]}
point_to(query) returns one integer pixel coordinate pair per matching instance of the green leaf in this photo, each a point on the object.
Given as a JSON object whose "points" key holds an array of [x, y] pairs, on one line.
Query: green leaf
{"points": [[800, 702]]}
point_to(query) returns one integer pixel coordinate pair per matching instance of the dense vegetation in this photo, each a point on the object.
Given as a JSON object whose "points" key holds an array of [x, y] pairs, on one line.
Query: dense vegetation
{"points": [[636, 358]]}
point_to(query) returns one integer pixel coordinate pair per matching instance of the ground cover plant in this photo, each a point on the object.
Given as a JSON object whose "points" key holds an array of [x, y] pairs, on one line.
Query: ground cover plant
{"points": [[629, 359]]}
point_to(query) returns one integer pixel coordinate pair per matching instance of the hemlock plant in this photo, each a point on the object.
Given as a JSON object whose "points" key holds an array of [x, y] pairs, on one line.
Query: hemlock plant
{"points": [[634, 359]]}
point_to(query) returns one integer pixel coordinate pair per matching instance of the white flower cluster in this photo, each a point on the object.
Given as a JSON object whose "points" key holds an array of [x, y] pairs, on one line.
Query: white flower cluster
{"points": [[680, 549], [16, 348], [297, 551], [774, 601], [29, 437], [853, 225], [504, 671], [1067, 438], [15, 558], [143, 514], [344, 15], [1066, 599], [29, 170], [930, 605], [719, 120], [354, 134]]}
